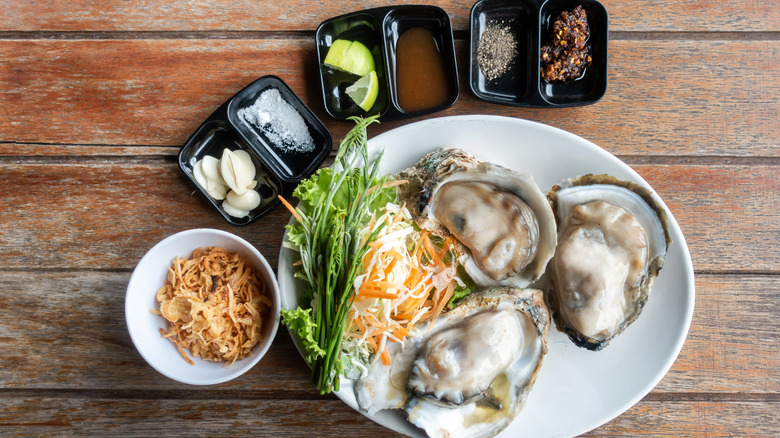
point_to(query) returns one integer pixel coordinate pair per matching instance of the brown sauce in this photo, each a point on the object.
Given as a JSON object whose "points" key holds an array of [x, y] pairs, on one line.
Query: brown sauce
{"points": [[421, 77]]}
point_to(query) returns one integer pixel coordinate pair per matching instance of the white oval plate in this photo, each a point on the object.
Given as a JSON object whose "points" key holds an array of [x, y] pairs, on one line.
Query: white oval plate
{"points": [[576, 390]]}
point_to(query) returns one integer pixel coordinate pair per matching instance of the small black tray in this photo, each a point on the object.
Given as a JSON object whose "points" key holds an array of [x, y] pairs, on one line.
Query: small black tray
{"points": [[379, 29], [531, 22], [278, 171]]}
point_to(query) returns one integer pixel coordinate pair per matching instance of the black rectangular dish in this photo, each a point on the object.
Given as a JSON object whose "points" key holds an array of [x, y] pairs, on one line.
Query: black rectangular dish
{"points": [[414, 56], [508, 40], [281, 136]]}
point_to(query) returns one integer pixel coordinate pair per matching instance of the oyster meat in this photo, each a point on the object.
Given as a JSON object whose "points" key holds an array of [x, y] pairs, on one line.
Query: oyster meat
{"points": [[469, 372], [612, 241], [500, 218]]}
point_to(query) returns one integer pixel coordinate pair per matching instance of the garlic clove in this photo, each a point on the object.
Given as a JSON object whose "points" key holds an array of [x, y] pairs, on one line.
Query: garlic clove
{"points": [[226, 168], [210, 166], [237, 170], [248, 201], [246, 161], [216, 190], [197, 172], [232, 211]]}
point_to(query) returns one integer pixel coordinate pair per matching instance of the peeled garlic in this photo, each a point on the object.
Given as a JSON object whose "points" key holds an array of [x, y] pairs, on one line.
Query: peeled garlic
{"points": [[216, 190], [230, 178], [232, 211], [197, 172], [214, 187], [248, 201], [237, 170], [211, 169]]}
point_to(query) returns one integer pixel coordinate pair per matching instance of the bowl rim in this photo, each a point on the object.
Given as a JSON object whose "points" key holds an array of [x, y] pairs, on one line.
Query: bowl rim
{"points": [[257, 352]]}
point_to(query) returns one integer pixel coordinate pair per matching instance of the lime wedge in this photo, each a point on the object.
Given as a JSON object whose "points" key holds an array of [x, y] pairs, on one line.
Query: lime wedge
{"points": [[350, 56], [364, 91]]}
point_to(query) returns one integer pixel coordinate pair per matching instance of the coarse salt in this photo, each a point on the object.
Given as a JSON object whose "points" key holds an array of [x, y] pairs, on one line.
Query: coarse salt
{"points": [[279, 121]]}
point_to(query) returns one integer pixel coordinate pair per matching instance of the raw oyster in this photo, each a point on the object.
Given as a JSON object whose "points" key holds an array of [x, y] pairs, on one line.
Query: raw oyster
{"points": [[469, 372], [612, 242], [500, 218]]}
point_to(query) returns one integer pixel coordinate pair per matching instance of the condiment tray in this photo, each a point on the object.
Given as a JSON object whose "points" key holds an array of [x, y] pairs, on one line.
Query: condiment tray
{"points": [[379, 29], [531, 23], [279, 166]]}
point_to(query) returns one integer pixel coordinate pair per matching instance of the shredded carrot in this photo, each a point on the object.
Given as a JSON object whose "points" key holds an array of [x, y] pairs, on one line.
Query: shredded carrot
{"points": [[401, 332], [397, 290], [371, 293], [441, 302], [373, 321], [432, 251], [390, 267], [388, 284], [385, 357], [372, 342], [291, 208]]}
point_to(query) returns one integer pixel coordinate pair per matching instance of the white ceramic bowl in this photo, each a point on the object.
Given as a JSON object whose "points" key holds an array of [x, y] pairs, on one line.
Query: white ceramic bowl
{"points": [[144, 326]]}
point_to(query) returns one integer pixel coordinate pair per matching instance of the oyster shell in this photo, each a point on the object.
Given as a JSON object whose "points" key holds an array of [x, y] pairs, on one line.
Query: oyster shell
{"points": [[469, 372], [612, 241], [502, 221]]}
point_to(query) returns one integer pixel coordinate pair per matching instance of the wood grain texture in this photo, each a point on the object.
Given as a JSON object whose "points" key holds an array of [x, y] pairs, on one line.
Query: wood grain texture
{"points": [[96, 99], [36, 416], [49, 416], [106, 214], [717, 98], [695, 419], [246, 15], [734, 331], [66, 331]]}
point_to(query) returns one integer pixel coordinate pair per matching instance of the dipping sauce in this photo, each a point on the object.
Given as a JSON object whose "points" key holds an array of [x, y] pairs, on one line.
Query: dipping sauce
{"points": [[421, 78]]}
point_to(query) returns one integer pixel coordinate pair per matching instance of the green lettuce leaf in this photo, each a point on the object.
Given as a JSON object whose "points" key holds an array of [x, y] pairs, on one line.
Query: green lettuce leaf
{"points": [[301, 321]]}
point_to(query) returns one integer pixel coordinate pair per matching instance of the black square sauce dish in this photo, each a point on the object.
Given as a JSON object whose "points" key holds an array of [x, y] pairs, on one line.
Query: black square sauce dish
{"points": [[413, 60], [537, 53], [257, 145]]}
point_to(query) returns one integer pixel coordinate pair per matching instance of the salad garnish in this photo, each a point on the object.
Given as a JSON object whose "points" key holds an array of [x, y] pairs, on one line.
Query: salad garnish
{"points": [[370, 273], [335, 204]]}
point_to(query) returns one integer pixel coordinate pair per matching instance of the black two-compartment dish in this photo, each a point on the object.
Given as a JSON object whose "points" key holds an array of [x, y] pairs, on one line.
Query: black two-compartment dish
{"points": [[279, 164], [380, 30], [531, 22]]}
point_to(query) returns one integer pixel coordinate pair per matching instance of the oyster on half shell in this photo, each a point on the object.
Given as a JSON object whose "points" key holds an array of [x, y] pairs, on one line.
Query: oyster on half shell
{"points": [[469, 372], [612, 241], [500, 218]]}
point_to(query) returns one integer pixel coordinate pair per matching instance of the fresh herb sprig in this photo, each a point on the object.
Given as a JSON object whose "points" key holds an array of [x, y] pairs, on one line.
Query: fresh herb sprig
{"points": [[336, 203]]}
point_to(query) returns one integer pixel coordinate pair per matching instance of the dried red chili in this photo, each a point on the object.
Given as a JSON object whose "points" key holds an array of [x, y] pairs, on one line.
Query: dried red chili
{"points": [[567, 56]]}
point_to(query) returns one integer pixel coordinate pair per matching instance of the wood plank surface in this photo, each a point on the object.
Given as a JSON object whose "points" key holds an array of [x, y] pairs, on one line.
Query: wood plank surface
{"points": [[96, 99], [247, 15], [293, 418], [105, 214], [83, 348], [157, 92]]}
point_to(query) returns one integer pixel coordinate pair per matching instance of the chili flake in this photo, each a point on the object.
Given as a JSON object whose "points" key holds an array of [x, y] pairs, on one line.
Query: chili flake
{"points": [[567, 56]]}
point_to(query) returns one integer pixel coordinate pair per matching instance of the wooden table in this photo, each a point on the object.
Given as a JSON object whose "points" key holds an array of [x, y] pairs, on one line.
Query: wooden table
{"points": [[97, 97]]}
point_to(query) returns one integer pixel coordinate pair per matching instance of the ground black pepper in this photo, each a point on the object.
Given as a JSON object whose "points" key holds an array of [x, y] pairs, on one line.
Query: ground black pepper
{"points": [[497, 50], [567, 56]]}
